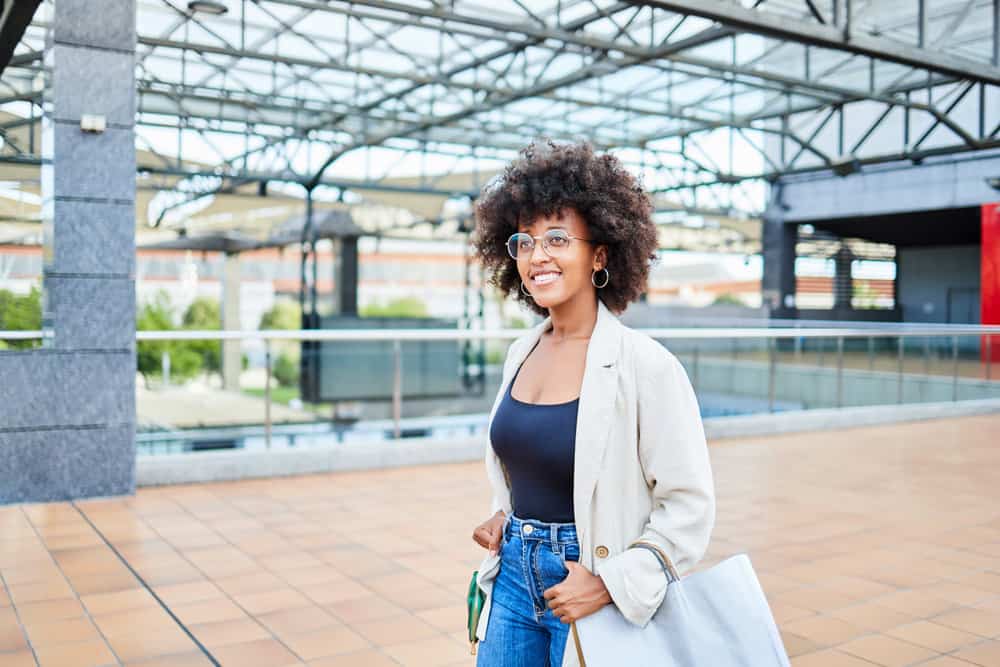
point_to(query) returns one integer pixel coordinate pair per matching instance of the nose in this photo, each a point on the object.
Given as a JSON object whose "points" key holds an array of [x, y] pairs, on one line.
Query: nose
{"points": [[538, 253]]}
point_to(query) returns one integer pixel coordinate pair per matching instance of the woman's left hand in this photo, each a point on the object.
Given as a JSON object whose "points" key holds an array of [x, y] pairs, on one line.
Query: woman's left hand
{"points": [[580, 594]]}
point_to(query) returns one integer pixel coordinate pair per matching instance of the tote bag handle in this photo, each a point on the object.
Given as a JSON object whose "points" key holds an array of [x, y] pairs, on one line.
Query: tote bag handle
{"points": [[668, 567]]}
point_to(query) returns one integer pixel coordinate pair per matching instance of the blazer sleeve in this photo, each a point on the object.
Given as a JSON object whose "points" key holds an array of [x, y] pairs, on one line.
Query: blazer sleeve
{"points": [[675, 464]]}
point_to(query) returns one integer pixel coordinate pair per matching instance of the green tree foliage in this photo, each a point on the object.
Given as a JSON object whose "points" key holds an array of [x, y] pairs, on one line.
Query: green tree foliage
{"points": [[405, 307], [727, 299], [185, 359], [153, 316], [20, 313], [286, 370], [284, 315], [185, 363], [864, 295], [203, 315]]}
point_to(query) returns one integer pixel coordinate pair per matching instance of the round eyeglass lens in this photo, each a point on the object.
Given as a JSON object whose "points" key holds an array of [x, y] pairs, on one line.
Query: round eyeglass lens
{"points": [[555, 241], [520, 243]]}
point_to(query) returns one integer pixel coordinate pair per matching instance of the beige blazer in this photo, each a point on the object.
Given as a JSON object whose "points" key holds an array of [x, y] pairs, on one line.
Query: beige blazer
{"points": [[641, 468]]}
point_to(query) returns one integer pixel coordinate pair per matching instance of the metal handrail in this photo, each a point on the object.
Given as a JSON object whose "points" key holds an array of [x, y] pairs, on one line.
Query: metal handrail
{"points": [[493, 334]]}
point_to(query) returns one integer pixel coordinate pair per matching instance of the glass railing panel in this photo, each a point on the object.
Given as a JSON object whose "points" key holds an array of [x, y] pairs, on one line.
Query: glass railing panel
{"points": [[184, 404]]}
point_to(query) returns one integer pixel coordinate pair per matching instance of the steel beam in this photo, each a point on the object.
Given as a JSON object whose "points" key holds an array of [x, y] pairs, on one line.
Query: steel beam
{"points": [[15, 16], [830, 37]]}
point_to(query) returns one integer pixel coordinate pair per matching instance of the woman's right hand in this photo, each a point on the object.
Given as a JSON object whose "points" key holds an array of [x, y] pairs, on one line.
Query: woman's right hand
{"points": [[489, 533]]}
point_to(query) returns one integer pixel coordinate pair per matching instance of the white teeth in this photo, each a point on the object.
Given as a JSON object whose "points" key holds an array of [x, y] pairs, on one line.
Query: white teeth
{"points": [[544, 278]]}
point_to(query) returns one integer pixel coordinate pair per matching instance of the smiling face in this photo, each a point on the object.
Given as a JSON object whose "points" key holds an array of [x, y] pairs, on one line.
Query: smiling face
{"points": [[556, 280]]}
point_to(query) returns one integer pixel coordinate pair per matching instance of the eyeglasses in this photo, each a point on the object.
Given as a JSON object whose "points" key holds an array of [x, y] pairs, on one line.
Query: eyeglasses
{"points": [[555, 242]]}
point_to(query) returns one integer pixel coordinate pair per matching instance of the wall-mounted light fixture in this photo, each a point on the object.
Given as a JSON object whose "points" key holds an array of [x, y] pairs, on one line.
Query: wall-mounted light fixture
{"points": [[208, 7], [93, 123]]}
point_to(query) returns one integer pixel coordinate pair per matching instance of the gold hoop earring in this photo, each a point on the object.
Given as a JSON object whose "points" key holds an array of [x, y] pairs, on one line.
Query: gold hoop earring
{"points": [[525, 292], [607, 277]]}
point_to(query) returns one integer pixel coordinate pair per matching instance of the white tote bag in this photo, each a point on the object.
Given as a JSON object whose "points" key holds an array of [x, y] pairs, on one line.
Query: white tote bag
{"points": [[718, 617]]}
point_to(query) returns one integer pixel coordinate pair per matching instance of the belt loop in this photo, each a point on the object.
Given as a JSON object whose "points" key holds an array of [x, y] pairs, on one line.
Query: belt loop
{"points": [[554, 537]]}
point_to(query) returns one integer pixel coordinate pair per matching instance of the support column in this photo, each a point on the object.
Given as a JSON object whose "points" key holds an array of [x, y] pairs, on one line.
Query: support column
{"points": [[989, 277], [347, 277], [232, 355], [338, 276], [67, 411], [843, 281], [778, 241]]}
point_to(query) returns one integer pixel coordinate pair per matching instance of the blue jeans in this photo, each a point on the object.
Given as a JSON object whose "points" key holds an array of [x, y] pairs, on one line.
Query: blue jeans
{"points": [[522, 631]]}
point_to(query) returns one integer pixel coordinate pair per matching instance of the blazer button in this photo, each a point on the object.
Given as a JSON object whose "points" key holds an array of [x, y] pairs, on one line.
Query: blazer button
{"points": [[601, 551]]}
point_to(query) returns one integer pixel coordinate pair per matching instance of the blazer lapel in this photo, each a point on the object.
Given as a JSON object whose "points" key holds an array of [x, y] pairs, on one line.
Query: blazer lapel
{"points": [[595, 413]]}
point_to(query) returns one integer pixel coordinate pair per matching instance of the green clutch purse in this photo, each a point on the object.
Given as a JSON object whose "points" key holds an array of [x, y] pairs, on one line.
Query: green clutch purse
{"points": [[475, 601]]}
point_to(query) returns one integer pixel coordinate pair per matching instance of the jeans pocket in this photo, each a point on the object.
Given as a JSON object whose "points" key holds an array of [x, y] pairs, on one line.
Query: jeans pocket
{"points": [[551, 566], [509, 545], [570, 552]]}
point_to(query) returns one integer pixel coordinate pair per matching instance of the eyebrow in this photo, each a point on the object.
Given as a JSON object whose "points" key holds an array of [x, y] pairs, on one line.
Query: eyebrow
{"points": [[523, 227]]}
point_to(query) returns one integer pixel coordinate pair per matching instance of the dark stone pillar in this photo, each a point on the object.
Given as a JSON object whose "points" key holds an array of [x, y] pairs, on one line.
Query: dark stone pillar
{"points": [[778, 241], [347, 280], [67, 411]]}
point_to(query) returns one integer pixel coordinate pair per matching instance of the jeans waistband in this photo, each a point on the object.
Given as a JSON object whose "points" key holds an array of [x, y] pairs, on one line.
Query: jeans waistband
{"points": [[555, 533]]}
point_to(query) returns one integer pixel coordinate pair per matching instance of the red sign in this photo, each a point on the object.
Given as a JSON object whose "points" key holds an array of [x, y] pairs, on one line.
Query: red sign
{"points": [[989, 276]]}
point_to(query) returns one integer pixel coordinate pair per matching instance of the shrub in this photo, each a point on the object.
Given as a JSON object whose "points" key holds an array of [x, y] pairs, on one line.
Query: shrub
{"points": [[286, 370], [203, 315], [20, 313], [409, 306], [185, 358], [727, 299]]}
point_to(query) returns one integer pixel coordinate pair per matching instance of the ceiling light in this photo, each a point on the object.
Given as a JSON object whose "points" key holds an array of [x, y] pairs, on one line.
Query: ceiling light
{"points": [[207, 7]]}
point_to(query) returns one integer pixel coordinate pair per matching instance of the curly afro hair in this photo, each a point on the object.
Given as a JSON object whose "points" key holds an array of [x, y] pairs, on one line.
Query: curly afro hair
{"points": [[546, 179]]}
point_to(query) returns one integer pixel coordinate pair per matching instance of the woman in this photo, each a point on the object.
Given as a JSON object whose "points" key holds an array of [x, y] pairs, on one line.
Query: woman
{"points": [[596, 439]]}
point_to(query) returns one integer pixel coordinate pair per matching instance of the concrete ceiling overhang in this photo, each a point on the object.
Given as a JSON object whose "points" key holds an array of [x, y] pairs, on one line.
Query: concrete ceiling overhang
{"points": [[955, 226]]}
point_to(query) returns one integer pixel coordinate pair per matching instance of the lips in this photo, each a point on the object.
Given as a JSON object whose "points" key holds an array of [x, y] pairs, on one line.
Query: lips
{"points": [[545, 278]]}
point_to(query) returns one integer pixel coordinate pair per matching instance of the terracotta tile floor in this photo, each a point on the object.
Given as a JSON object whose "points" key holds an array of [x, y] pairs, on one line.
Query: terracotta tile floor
{"points": [[876, 546]]}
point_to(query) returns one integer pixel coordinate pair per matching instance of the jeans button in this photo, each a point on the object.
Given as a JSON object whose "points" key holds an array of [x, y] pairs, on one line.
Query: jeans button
{"points": [[528, 528]]}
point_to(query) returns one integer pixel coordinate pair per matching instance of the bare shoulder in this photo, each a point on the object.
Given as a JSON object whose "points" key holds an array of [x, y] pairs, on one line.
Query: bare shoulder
{"points": [[515, 345]]}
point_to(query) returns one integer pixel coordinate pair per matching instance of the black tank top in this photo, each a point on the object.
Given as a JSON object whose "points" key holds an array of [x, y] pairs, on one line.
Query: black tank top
{"points": [[537, 442]]}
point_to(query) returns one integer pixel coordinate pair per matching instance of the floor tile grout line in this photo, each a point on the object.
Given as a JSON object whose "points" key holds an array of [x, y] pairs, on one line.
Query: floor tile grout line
{"points": [[378, 648], [76, 595], [951, 653], [245, 513], [17, 615], [801, 586], [980, 639], [148, 588], [938, 653], [883, 632], [183, 508], [239, 510], [870, 632]]}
